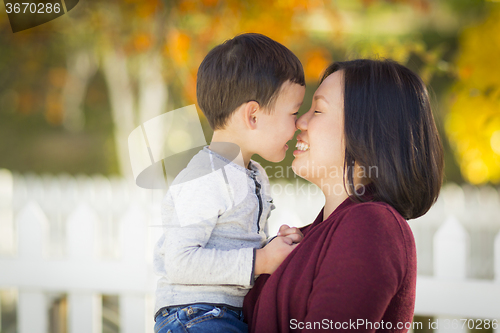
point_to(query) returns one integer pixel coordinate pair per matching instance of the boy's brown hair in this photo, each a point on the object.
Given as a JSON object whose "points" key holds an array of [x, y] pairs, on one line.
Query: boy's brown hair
{"points": [[248, 67]]}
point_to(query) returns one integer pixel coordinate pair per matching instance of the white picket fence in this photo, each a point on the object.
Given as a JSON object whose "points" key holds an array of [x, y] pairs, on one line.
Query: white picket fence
{"points": [[90, 236], [83, 237]]}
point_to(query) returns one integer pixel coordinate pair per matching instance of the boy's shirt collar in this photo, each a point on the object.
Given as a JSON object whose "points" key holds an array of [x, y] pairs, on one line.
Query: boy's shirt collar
{"points": [[252, 171]]}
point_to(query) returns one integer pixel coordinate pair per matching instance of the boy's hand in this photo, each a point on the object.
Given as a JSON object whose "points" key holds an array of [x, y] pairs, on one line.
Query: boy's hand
{"points": [[293, 233], [272, 255]]}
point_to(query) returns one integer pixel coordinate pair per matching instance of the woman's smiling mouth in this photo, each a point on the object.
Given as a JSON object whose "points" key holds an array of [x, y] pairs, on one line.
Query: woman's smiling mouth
{"points": [[301, 147]]}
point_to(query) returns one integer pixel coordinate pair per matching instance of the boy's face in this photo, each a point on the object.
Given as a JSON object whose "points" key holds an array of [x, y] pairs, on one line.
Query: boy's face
{"points": [[278, 127]]}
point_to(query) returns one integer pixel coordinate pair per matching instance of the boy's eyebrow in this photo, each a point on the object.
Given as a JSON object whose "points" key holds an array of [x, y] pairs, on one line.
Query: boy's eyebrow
{"points": [[320, 97]]}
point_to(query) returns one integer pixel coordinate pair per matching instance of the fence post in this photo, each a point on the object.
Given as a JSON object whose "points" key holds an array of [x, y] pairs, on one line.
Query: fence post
{"points": [[85, 312], [32, 312], [496, 263], [6, 213], [133, 313], [32, 309], [451, 251], [133, 239], [85, 308]]}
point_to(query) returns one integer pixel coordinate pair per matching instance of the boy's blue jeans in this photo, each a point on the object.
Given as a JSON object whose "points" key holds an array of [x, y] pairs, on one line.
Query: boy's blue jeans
{"points": [[200, 318]]}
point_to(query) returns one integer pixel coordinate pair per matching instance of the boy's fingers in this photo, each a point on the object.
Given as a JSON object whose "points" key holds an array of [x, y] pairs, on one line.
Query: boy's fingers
{"points": [[295, 238], [282, 229], [288, 240], [290, 231]]}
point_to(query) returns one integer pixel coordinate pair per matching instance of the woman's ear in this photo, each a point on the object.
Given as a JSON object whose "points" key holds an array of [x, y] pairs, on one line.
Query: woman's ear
{"points": [[250, 113]]}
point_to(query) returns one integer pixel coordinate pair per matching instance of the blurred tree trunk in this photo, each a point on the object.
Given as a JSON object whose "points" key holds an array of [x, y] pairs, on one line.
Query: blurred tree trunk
{"points": [[152, 97], [81, 67], [153, 93], [122, 101]]}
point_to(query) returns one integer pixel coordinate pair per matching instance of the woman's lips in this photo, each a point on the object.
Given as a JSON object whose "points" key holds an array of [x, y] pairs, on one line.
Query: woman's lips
{"points": [[302, 147], [299, 152]]}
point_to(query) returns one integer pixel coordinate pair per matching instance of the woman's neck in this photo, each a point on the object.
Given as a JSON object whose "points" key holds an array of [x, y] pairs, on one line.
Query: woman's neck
{"points": [[335, 194], [332, 201]]}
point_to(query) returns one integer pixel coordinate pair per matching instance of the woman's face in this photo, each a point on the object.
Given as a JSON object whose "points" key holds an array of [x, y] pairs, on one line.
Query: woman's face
{"points": [[320, 152]]}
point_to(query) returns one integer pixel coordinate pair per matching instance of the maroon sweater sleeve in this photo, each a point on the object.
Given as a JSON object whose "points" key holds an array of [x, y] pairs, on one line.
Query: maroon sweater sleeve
{"points": [[361, 269]]}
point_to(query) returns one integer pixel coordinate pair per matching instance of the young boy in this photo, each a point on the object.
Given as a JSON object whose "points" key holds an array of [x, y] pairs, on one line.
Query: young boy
{"points": [[250, 89]]}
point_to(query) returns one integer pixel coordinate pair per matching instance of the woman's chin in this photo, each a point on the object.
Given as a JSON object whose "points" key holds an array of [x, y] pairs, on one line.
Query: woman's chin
{"points": [[299, 169]]}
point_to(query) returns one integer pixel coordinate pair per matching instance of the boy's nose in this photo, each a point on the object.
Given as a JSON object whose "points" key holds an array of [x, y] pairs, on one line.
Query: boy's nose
{"points": [[301, 122]]}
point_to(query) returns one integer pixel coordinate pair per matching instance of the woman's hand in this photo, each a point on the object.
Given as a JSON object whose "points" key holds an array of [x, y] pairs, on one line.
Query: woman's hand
{"points": [[292, 233], [272, 255]]}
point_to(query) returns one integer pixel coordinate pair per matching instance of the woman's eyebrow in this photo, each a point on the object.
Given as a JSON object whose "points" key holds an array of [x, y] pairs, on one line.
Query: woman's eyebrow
{"points": [[320, 97]]}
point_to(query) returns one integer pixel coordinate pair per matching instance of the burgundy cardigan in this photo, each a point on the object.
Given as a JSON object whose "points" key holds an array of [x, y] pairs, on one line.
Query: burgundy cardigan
{"points": [[354, 271]]}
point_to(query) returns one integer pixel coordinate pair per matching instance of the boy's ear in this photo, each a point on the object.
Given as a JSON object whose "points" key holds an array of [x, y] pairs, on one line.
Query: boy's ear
{"points": [[250, 114]]}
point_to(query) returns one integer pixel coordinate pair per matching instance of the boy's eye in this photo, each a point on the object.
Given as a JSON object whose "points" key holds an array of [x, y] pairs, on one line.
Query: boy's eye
{"points": [[317, 111], [296, 113]]}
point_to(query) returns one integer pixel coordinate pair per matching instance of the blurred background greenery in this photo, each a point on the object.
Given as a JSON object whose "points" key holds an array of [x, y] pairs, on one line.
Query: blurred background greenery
{"points": [[72, 90]]}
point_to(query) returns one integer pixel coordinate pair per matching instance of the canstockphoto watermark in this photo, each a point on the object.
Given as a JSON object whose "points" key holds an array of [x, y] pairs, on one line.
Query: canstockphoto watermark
{"points": [[364, 324], [311, 170], [26, 14], [308, 190]]}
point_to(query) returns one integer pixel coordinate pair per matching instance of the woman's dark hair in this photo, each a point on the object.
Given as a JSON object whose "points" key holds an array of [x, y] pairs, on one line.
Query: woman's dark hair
{"points": [[389, 127], [248, 67]]}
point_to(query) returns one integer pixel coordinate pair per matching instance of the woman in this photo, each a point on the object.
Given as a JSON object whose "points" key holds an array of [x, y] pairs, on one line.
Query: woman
{"points": [[370, 143]]}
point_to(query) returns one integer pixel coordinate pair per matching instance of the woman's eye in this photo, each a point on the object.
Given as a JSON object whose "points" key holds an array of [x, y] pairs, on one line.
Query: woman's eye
{"points": [[317, 111], [296, 113]]}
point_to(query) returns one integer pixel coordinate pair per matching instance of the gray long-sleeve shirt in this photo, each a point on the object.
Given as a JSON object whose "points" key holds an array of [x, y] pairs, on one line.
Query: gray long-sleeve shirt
{"points": [[214, 216]]}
